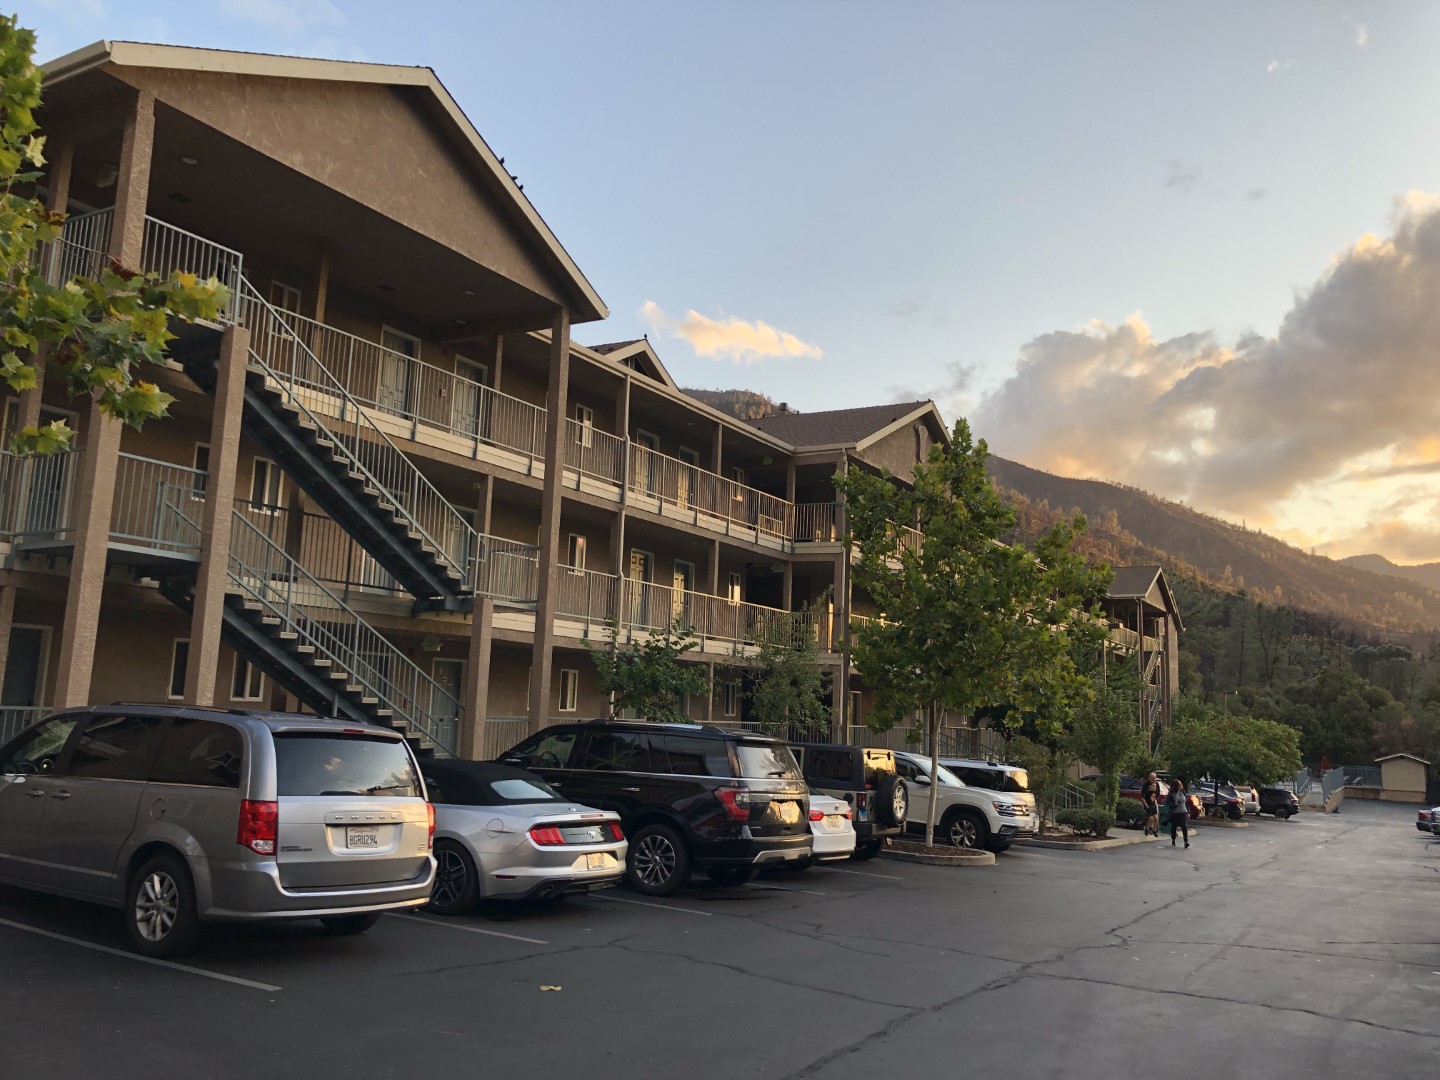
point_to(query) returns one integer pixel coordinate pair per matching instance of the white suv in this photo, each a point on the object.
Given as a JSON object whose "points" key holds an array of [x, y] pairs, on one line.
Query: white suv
{"points": [[969, 817]]}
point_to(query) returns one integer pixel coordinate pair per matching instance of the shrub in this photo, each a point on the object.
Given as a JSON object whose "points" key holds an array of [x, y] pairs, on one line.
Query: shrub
{"points": [[1087, 822], [1131, 813]]}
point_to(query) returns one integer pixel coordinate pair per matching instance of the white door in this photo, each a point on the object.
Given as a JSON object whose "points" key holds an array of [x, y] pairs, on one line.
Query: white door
{"points": [[642, 573], [449, 676], [396, 353], [684, 584], [469, 403], [689, 475]]}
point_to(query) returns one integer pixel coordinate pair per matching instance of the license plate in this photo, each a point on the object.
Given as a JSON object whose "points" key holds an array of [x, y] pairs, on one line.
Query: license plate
{"points": [[835, 823], [596, 860], [362, 836], [789, 812]]}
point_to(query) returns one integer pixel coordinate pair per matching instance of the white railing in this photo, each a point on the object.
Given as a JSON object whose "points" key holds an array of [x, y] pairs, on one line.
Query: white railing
{"points": [[16, 718], [322, 547], [647, 607], [593, 452], [364, 447], [420, 393], [707, 497], [147, 506], [817, 523], [37, 496], [169, 250], [83, 249], [507, 569], [587, 595], [501, 733]]}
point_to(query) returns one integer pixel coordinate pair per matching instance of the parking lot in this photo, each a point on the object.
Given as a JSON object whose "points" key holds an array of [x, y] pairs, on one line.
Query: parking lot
{"points": [[1307, 948]]}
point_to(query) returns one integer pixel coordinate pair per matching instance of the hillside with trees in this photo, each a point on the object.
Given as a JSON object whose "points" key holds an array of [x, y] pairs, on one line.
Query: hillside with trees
{"points": [[741, 404]]}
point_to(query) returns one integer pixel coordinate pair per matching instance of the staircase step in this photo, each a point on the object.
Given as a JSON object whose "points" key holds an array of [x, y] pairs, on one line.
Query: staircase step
{"points": [[270, 620]]}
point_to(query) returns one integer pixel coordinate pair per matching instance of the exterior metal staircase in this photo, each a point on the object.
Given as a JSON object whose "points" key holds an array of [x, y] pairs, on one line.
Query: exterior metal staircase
{"points": [[287, 623], [304, 419]]}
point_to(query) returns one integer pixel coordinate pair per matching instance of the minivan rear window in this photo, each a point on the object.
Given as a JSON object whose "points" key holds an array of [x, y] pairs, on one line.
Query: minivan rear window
{"points": [[307, 763], [766, 761]]}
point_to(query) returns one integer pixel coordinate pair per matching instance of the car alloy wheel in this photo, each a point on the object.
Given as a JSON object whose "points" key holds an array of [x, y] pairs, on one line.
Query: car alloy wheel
{"points": [[157, 906], [654, 860], [451, 878], [963, 832]]}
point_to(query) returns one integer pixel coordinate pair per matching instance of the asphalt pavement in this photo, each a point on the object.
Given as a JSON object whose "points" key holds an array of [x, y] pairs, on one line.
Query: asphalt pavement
{"points": [[1307, 948]]}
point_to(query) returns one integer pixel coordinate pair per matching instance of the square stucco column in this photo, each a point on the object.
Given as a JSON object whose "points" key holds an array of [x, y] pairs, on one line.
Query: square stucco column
{"points": [[471, 743], [203, 666], [7, 620], [544, 648]]}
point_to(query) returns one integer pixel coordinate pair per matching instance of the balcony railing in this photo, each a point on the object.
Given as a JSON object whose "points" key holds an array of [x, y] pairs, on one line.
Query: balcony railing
{"points": [[16, 718], [593, 452], [707, 497], [587, 595], [82, 249], [168, 250], [148, 496], [507, 570], [817, 523], [37, 497], [420, 393]]}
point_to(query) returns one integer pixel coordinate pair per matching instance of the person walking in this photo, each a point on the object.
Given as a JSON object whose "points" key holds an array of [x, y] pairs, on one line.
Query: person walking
{"points": [[1179, 810], [1150, 799]]}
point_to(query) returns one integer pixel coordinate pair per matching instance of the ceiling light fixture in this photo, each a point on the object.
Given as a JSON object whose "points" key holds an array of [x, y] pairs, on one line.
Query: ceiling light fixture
{"points": [[186, 159], [469, 292]]}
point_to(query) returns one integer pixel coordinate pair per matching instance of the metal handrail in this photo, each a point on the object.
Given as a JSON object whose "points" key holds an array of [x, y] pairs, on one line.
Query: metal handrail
{"points": [[81, 250], [262, 571], [816, 523], [593, 452], [145, 512], [168, 249], [37, 496], [410, 389], [16, 718], [705, 495], [277, 352]]}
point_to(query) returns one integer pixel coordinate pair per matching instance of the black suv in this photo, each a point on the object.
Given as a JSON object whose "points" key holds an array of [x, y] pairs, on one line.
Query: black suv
{"points": [[688, 796], [1279, 801], [866, 779]]}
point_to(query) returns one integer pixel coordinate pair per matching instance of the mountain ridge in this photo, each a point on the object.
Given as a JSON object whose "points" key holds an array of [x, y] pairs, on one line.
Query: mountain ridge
{"points": [[1427, 574]]}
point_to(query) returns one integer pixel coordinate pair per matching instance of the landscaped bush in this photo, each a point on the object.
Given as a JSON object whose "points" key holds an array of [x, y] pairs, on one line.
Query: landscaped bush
{"points": [[1130, 813], [1087, 822]]}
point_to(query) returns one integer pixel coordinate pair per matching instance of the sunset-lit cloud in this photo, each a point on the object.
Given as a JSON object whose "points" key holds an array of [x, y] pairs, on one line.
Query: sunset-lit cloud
{"points": [[1344, 399], [733, 339]]}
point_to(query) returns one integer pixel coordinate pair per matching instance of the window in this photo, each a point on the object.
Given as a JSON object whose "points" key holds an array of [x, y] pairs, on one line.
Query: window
{"points": [[248, 681], [767, 761], [548, 750], [585, 425], [623, 751], [855, 708], [307, 764], [179, 658], [285, 297], [115, 748], [11, 423], [734, 587], [919, 442], [265, 484], [730, 697], [201, 462], [737, 474], [200, 753], [569, 689], [691, 755], [576, 557], [39, 751]]}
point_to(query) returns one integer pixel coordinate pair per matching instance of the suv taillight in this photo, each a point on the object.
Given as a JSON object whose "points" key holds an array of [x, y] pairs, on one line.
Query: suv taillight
{"points": [[430, 813], [736, 802], [862, 800], [259, 825]]}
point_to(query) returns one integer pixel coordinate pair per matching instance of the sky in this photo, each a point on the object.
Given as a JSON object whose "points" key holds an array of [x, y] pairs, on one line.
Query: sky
{"points": [[1192, 248]]}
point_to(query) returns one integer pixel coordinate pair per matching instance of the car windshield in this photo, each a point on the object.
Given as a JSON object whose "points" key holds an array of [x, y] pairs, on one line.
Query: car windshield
{"points": [[352, 765], [766, 761]]}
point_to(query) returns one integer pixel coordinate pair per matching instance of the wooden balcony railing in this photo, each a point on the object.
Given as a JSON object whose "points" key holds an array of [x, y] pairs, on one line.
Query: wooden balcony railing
{"points": [[708, 498]]}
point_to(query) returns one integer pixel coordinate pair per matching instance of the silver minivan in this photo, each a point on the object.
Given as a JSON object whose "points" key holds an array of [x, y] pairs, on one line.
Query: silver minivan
{"points": [[180, 815]]}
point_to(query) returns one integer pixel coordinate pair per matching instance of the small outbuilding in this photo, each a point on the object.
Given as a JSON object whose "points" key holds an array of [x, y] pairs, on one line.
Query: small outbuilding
{"points": [[1402, 777]]}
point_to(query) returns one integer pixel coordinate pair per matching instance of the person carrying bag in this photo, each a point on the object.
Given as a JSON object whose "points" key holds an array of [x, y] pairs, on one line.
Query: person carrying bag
{"points": [[1179, 809]]}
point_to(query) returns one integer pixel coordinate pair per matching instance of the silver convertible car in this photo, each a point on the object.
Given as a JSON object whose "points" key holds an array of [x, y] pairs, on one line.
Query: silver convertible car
{"points": [[503, 833]]}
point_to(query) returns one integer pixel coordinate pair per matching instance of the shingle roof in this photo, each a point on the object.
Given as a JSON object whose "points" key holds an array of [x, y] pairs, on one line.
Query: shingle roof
{"points": [[614, 346], [836, 427], [1132, 582]]}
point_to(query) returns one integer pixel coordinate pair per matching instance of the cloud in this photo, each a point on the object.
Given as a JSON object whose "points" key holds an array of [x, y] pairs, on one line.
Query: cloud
{"points": [[1180, 176], [1255, 194], [1360, 30], [729, 339], [1279, 65], [1350, 384], [288, 17]]}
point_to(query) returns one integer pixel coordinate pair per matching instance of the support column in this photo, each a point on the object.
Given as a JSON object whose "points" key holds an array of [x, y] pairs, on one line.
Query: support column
{"points": [[7, 620], [787, 587], [95, 493], [717, 449], [322, 284], [207, 613], [498, 361], [543, 652], [477, 681], [842, 600], [710, 696]]}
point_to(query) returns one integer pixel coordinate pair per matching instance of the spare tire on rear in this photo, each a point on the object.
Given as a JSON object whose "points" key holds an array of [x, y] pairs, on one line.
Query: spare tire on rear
{"points": [[892, 801]]}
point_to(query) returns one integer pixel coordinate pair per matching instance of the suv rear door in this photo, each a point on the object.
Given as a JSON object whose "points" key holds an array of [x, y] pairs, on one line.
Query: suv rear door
{"points": [[620, 769], [351, 810], [779, 799]]}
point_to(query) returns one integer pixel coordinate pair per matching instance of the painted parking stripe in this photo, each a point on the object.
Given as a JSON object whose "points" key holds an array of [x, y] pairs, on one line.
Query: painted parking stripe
{"points": [[857, 873], [788, 888], [171, 964], [661, 907], [451, 925]]}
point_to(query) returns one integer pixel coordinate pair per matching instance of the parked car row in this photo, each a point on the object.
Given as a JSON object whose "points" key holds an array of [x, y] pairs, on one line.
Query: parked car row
{"points": [[1428, 821], [1228, 800]]}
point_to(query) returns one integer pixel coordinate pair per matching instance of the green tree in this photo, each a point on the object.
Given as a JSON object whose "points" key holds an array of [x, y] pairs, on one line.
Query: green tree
{"points": [[1337, 713], [647, 677], [969, 621], [1106, 734], [97, 332], [1205, 741], [787, 686], [1048, 768]]}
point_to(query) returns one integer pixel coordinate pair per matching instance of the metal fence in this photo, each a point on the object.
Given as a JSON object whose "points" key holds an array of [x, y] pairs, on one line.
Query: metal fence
{"points": [[37, 496], [702, 494], [507, 569], [1366, 776], [816, 523], [170, 250], [16, 718], [593, 452], [500, 733], [148, 502]]}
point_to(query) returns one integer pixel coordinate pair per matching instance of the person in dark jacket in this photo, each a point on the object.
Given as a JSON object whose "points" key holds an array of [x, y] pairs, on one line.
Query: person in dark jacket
{"points": [[1150, 799], [1179, 804]]}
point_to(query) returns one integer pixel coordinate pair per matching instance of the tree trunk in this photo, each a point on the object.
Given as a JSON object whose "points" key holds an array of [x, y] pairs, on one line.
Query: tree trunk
{"points": [[934, 737]]}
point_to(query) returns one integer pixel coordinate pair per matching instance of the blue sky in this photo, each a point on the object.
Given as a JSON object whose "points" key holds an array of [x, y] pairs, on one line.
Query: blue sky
{"points": [[921, 192]]}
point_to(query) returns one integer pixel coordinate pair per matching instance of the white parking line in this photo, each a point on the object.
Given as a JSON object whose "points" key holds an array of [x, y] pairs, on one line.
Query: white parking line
{"points": [[787, 888], [449, 924], [857, 873], [642, 903], [172, 965]]}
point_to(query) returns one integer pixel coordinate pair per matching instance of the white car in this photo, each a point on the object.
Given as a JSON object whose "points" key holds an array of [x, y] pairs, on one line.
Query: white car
{"points": [[503, 833], [832, 826], [1249, 798], [969, 817]]}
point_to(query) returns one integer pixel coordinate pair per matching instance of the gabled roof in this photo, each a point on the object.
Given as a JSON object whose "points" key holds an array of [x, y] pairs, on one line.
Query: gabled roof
{"points": [[1392, 757], [840, 427], [1138, 582], [638, 354], [185, 58]]}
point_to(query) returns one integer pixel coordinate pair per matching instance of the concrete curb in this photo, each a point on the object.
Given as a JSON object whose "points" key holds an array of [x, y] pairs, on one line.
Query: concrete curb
{"points": [[983, 858], [1089, 845], [1214, 823]]}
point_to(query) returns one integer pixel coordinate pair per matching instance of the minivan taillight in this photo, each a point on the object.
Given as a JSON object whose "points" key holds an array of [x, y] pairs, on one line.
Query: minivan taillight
{"points": [[259, 825], [736, 802], [430, 813]]}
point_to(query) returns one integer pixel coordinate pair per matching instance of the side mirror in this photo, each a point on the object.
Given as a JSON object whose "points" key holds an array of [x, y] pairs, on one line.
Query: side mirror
{"points": [[921, 778]]}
